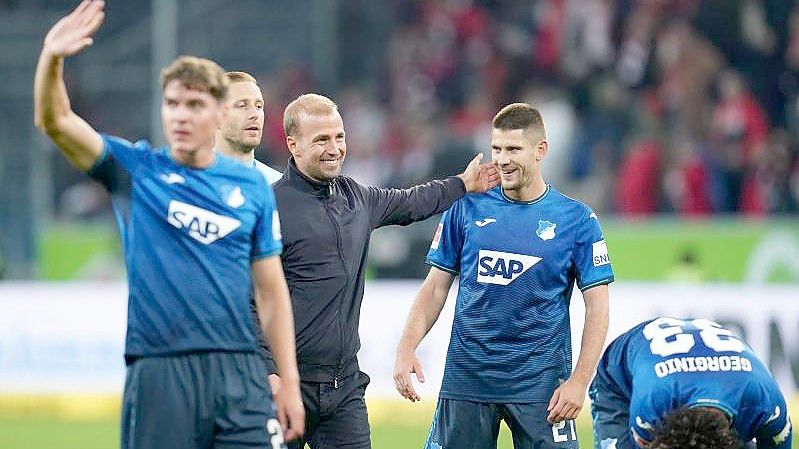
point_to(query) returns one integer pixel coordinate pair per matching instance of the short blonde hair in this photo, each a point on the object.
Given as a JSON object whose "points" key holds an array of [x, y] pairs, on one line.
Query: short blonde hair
{"points": [[240, 77], [197, 73], [520, 116], [305, 105]]}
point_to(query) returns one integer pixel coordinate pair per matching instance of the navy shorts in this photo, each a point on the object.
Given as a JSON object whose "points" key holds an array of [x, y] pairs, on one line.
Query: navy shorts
{"points": [[218, 400], [610, 414], [335, 414], [459, 424]]}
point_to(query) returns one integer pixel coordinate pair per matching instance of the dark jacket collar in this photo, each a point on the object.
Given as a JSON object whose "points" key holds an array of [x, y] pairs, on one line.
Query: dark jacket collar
{"points": [[297, 179]]}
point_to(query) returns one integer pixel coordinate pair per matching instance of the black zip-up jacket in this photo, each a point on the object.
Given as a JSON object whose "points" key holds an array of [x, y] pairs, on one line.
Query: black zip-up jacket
{"points": [[326, 228]]}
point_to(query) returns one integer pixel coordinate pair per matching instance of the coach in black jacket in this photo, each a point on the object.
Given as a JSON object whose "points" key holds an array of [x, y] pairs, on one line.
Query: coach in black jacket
{"points": [[326, 222]]}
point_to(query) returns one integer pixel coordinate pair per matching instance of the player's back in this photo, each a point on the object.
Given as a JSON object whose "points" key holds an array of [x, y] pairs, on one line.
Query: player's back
{"points": [[518, 262], [672, 363]]}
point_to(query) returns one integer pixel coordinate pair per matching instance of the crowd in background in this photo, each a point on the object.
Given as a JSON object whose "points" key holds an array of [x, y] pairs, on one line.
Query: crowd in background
{"points": [[651, 106]]}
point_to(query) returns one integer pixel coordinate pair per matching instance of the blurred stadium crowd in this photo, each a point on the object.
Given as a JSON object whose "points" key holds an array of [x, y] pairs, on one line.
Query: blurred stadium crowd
{"points": [[652, 106], [681, 106]]}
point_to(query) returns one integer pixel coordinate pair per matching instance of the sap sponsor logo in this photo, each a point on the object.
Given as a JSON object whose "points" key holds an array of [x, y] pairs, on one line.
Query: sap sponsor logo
{"points": [[497, 267], [173, 178], [546, 230], [201, 225], [600, 253], [722, 363], [437, 237]]}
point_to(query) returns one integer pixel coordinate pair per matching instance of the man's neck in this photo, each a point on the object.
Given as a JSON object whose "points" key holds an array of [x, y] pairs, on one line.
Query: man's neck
{"points": [[243, 154], [529, 193], [201, 158]]}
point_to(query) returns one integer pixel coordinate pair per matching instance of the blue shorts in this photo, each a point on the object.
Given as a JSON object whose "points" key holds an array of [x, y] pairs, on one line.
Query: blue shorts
{"points": [[218, 400], [459, 424], [610, 414]]}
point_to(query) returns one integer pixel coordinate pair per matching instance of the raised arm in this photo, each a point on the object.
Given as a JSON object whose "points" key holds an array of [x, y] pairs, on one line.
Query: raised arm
{"points": [[405, 206], [53, 115], [424, 313], [569, 397], [277, 322]]}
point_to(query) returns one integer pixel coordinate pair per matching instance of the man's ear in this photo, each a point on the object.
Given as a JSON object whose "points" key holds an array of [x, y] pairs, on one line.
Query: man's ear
{"points": [[292, 145], [541, 150]]}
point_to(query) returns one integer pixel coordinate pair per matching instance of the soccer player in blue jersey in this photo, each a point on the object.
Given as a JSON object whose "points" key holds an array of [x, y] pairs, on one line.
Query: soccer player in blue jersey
{"points": [[196, 228], [672, 383], [518, 249], [243, 125]]}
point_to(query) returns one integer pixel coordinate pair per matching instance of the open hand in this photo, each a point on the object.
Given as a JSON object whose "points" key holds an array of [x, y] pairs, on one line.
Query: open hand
{"points": [[479, 177], [74, 32], [290, 411], [566, 401], [406, 364]]}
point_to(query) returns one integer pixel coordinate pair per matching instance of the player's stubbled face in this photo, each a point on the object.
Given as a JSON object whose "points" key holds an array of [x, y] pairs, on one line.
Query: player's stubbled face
{"points": [[321, 146], [190, 117], [514, 154], [244, 124]]}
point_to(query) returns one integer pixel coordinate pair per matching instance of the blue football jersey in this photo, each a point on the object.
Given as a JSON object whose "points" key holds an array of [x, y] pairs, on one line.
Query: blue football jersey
{"points": [[518, 262], [189, 238], [668, 363]]}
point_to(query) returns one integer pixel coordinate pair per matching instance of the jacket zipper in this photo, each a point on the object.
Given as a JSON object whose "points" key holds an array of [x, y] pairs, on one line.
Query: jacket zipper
{"points": [[338, 306]]}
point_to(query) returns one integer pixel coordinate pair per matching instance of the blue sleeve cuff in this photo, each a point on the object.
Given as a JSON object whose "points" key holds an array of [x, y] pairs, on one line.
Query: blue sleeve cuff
{"points": [[442, 267], [275, 251], [604, 281]]}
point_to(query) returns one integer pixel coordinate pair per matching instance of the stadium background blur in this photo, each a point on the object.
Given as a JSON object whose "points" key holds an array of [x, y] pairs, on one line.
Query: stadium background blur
{"points": [[676, 120]]}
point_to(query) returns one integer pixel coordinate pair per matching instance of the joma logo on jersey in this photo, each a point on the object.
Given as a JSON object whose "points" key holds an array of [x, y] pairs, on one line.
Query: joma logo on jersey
{"points": [[497, 267], [201, 225]]}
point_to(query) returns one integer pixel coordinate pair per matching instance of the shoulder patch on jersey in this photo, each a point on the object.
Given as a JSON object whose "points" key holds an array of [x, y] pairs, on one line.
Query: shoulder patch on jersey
{"points": [[276, 234], [437, 237], [599, 254], [546, 230], [202, 225], [501, 268]]}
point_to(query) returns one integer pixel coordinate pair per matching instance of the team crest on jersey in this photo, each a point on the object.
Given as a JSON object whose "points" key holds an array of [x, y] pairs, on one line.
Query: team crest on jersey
{"points": [[233, 196], [546, 230], [201, 225], [501, 268]]}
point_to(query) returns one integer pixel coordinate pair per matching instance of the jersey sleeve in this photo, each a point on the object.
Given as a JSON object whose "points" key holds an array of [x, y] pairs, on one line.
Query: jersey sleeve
{"points": [[591, 258], [118, 161], [267, 240], [445, 249], [776, 430]]}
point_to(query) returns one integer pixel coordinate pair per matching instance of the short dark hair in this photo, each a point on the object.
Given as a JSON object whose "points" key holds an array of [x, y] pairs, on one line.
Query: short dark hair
{"points": [[695, 428], [197, 73], [519, 116]]}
